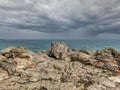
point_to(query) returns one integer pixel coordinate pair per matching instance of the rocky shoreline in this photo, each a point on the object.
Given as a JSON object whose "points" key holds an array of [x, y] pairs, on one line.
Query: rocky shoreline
{"points": [[59, 68]]}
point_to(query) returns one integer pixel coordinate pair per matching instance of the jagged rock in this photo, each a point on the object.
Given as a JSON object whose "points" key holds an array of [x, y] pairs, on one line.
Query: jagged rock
{"points": [[15, 59], [2, 57], [79, 56], [111, 66], [104, 58], [43, 88], [104, 55], [58, 50], [3, 75], [9, 65], [24, 63], [89, 52], [7, 52], [108, 57], [115, 53], [82, 57], [115, 79], [107, 83], [107, 54], [34, 76], [12, 52], [86, 70], [96, 87]]}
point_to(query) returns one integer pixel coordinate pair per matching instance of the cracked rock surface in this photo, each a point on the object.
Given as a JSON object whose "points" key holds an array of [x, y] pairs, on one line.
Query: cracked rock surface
{"points": [[59, 68]]}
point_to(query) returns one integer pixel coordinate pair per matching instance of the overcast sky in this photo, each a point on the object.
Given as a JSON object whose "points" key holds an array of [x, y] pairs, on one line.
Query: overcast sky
{"points": [[42, 19]]}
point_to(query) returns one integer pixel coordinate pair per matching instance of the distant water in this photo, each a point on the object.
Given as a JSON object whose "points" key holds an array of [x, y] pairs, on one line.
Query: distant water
{"points": [[37, 45]]}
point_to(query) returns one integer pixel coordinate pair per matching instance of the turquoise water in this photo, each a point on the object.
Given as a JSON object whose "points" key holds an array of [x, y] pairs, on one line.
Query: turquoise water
{"points": [[37, 45]]}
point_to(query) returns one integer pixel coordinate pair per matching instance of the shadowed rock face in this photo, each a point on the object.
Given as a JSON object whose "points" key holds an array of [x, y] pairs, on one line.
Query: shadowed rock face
{"points": [[22, 69]]}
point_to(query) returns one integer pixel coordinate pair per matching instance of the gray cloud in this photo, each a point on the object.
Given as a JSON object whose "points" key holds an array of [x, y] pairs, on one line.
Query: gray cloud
{"points": [[55, 18]]}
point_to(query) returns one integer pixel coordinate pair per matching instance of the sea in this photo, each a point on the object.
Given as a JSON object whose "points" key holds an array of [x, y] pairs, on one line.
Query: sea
{"points": [[44, 44]]}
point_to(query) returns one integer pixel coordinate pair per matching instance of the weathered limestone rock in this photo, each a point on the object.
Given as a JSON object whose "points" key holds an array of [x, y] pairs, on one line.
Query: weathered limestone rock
{"points": [[49, 70], [108, 57], [2, 57], [58, 50], [24, 63], [104, 55], [15, 59], [105, 58], [107, 83], [80, 56], [96, 87], [9, 65], [115, 79], [3, 75], [89, 52], [6, 51], [12, 52]]}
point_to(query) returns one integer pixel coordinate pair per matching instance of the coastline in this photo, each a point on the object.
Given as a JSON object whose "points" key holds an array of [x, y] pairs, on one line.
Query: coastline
{"points": [[59, 68], [38, 45]]}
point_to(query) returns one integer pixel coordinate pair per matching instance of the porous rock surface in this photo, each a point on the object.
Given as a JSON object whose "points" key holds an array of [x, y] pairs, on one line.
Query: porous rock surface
{"points": [[58, 50], [59, 68]]}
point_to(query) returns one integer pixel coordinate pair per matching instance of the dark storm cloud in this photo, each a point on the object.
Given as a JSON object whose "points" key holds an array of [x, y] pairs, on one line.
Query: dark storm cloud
{"points": [[110, 31], [79, 18]]}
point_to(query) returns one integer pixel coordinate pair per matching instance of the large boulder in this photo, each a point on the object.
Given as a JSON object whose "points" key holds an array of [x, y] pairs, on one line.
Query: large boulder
{"points": [[58, 50]]}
